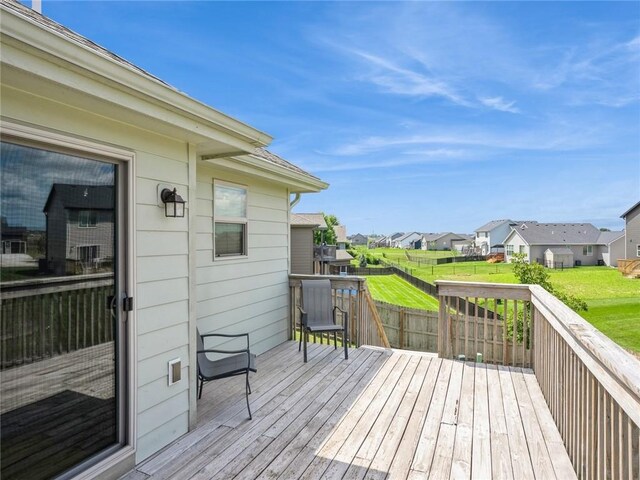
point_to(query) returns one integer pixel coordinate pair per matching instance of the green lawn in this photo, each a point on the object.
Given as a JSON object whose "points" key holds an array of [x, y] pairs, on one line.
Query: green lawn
{"points": [[618, 318], [392, 289], [613, 300]]}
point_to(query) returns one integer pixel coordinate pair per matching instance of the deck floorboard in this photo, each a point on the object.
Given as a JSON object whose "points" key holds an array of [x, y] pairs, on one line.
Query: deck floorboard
{"points": [[380, 414]]}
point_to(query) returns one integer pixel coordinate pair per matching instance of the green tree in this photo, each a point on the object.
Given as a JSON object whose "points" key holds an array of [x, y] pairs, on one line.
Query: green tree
{"points": [[536, 274], [329, 235]]}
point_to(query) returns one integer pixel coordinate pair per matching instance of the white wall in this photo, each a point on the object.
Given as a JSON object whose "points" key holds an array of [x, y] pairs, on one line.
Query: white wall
{"points": [[245, 294]]}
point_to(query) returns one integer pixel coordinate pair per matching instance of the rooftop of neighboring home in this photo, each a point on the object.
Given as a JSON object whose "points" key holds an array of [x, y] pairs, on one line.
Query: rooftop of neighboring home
{"points": [[81, 197], [560, 250], [630, 210], [534, 233], [607, 237], [343, 255], [405, 236], [341, 233], [315, 220], [487, 227]]}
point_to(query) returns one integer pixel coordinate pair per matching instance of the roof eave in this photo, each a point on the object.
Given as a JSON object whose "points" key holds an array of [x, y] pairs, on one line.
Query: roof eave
{"points": [[296, 182], [58, 49]]}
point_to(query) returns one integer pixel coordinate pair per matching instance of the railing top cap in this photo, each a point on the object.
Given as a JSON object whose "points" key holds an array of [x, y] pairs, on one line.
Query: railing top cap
{"points": [[456, 283]]}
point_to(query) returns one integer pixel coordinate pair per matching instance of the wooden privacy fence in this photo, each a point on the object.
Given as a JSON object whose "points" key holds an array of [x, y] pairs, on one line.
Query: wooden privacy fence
{"points": [[409, 328], [47, 318], [591, 385], [351, 295], [630, 268]]}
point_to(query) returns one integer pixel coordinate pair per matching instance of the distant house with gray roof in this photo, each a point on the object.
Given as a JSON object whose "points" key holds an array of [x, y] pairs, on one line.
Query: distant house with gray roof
{"points": [[632, 232], [443, 241], [358, 239], [302, 227], [406, 240], [546, 242], [492, 234]]}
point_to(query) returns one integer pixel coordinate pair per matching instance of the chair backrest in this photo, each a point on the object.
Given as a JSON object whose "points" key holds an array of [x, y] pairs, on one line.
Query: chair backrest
{"points": [[317, 302]]}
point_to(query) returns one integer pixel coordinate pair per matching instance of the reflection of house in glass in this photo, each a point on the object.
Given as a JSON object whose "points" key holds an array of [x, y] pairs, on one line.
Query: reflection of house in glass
{"points": [[14, 239], [80, 222]]}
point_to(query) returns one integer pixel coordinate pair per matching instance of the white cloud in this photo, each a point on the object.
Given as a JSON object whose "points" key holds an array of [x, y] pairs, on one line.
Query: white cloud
{"points": [[498, 103]]}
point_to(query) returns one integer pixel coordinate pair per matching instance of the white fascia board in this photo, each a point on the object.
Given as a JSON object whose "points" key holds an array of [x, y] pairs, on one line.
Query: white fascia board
{"points": [[181, 110], [296, 182]]}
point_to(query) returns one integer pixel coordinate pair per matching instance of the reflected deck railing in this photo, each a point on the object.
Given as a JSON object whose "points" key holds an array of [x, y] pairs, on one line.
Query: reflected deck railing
{"points": [[47, 317]]}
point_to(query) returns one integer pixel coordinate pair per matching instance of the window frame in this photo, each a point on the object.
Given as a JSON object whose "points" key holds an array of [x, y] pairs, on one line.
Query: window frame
{"points": [[231, 220], [587, 251], [638, 250], [112, 459], [508, 249], [92, 215], [521, 249]]}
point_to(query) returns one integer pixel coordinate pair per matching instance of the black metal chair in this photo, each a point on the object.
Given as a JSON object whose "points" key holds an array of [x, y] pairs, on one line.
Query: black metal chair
{"points": [[236, 362], [318, 315]]}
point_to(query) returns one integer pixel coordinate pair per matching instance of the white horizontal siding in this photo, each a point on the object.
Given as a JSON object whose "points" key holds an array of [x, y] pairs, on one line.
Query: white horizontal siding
{"points": [[246, 294]]}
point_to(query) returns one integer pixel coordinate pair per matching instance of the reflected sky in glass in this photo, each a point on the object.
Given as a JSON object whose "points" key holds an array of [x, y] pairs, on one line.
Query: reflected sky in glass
{"points": [[26, 177]]}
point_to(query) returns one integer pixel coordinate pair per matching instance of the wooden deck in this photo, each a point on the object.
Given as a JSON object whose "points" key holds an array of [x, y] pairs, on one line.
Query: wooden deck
{"points": [[381, 414]]}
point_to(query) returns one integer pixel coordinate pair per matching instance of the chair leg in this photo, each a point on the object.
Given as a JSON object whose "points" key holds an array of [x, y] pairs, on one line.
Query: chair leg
{"points": [[335, 340], [305, 347], [246, 394], [300, 342], [201, 385]]}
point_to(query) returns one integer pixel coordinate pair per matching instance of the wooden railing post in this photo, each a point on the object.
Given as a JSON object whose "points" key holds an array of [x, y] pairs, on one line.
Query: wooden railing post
{"points": [[444, 346]]}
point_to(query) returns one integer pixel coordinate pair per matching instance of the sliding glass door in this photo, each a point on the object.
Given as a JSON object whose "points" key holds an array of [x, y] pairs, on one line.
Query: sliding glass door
{"points": [[61, 373]]}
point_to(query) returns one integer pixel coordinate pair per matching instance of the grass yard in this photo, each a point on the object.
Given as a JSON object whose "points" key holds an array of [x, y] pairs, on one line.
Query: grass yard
{"points": [[392, 289], [613, 300], [618, 318]]}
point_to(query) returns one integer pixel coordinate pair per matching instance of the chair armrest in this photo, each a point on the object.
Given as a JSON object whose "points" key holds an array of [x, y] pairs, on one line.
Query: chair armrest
{"points": [[338, 308], [303, 316]]}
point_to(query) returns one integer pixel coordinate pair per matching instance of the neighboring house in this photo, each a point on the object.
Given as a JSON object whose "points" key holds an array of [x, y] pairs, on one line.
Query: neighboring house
{"points": [[632, 232], [14, 238], [358, 240], [343, 258], [491, 235], [341, 237], [442, 241], [386, 241], [587, 244], [464, 242], [406, 240], [611, 247], [80, 221], [222, 267], [381, 241], [303, 225]]}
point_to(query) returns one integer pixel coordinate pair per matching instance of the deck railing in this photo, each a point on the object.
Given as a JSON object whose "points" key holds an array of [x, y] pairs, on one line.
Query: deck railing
{"points": [[44, 318], [351, 295], [591, 385]]}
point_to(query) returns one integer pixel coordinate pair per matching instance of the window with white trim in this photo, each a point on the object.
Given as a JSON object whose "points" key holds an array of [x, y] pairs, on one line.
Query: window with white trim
{"points": [[229, 220], [87, 218], [637, 250], [509, 249], [521, 249], [587, 250]]}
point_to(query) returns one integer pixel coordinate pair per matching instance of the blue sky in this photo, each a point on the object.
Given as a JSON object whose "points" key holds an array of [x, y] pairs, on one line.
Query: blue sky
{"points": [[422, 116]]}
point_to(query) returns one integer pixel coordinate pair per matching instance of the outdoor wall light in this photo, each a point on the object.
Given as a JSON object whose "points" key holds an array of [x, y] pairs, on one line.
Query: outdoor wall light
{"points": [[173, 203]]}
